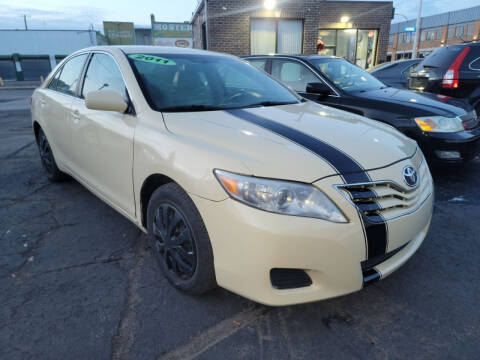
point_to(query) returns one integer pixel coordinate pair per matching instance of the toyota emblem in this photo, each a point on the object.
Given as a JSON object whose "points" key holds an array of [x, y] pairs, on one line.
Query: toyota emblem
{"points": [[410, 176]]}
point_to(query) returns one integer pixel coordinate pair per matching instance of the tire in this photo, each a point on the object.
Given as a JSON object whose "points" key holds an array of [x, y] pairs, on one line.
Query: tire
{"points": [[477, 108], [179, 240], [48, 160]]}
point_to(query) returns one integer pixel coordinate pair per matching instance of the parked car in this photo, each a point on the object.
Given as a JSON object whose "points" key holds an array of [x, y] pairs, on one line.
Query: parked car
{"points": [[452, 70], [446, 129], [237, 180], [395, 73]]}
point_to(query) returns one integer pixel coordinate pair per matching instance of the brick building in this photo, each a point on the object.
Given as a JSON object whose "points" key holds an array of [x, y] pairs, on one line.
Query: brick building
{"points": [[356, 30], [438, 30]]}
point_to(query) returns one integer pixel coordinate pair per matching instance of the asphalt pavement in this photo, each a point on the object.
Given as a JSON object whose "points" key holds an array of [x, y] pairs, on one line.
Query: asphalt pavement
{"points": [[77, 281]]}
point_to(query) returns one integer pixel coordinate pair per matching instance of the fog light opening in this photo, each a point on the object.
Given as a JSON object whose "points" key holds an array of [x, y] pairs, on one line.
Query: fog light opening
{"points": [[448, 155]]}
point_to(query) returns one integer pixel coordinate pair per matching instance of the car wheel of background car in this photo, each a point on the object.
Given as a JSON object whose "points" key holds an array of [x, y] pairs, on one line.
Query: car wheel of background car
{"points": [[48, 160], [477, 108], [179, 240]]}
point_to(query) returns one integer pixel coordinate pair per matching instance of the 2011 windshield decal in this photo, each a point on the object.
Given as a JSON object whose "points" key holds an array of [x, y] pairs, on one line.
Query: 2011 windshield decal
{"points": [[151, 59]]}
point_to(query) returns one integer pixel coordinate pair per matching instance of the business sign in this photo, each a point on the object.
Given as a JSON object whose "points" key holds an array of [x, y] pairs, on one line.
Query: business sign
{"points": [[119, 33], [172, 34], [409, 29]]}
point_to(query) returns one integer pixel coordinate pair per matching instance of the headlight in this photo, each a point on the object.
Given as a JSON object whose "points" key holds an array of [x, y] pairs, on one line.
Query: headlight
{"points": [[439, 124], [282, 197]]}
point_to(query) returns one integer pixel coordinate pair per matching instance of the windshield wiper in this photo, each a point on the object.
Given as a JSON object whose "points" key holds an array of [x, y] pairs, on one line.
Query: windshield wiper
{"points": [[193, 107], [269, 103]]}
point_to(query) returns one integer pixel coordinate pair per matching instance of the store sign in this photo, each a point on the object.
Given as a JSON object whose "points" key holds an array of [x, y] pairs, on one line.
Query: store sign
{"points": [[119, 33], [172, 34], [409, 29]]}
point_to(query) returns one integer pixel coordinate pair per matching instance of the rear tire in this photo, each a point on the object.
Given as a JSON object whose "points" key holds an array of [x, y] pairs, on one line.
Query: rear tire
{"points": [[179, 240], [48, 160]]}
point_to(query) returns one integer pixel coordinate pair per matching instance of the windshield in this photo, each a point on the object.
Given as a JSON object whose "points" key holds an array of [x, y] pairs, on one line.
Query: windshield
{"points": [[186, 82], [347, 77]]}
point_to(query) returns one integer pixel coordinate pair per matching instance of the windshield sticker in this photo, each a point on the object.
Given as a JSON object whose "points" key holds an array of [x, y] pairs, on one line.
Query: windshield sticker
{"points": [[151, 59]]}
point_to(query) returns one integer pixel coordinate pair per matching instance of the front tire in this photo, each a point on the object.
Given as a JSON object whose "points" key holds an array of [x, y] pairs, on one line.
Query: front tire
{"points": [[179, 240], [48, 160]]}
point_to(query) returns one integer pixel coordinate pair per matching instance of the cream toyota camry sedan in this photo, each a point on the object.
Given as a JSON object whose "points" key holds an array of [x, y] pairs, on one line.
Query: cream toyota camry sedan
{"points": [[237, 181]]}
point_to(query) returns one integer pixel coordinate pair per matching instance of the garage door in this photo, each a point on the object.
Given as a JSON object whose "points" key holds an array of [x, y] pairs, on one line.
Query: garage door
{"points": [[33, 68], [7, 69]]}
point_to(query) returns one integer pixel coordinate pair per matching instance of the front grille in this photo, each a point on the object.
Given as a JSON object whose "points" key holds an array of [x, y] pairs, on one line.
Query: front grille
{"points": [[384, 200], [470, 120], [289, 278]]}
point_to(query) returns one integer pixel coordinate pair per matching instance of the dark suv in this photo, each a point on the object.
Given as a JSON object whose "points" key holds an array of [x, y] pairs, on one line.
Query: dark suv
{"points": [[452, 70]]}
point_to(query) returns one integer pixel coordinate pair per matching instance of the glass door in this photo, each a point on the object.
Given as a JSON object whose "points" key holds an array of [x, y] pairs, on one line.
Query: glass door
{"points": [[366, 48], [346, 40], [357, 46]]}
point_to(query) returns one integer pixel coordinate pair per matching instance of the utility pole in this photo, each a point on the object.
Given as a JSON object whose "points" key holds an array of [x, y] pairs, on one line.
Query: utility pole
{"points": [[418, 30], [403, 36]]}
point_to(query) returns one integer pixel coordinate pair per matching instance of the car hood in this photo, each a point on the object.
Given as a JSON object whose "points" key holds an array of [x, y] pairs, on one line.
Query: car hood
{"points": [[301, 142], [422, 102]]}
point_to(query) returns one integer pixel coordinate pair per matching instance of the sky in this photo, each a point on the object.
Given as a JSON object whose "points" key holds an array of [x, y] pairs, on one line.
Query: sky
{"points": [[58, 14]]}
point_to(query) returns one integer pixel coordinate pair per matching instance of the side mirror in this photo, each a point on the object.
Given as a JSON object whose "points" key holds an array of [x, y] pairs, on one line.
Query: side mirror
{"points": [[318, 88], [106, 100]]}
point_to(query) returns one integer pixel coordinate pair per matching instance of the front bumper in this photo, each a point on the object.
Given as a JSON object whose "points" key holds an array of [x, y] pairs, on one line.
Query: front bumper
{"points": [[248, 243], [437, 146]]}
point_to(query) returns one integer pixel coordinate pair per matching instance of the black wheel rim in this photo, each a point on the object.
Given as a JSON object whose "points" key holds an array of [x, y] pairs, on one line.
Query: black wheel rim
{"points": [[174, 242], [45, 153]]}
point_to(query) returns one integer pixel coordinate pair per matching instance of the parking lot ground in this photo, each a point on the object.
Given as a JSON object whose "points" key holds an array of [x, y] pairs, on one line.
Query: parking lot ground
{"points": [[77, 281]]}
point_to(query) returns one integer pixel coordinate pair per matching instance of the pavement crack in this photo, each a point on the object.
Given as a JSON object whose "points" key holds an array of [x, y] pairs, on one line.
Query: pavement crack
{"points": [[36, 245], [208, 338], [125, 335], [85, 264], [23, 197], [13, 153]]}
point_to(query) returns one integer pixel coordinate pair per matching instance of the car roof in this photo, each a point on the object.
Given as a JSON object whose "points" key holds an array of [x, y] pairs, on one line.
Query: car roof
{"points": [[154, 49], [471, 43]]}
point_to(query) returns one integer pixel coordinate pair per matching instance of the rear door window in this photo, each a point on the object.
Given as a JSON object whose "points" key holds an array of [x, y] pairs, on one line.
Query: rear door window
{"points": [[293, 74], [258, 63], [409, 69], [103, 74], [53, 83], [475, 64], [68, 80]]}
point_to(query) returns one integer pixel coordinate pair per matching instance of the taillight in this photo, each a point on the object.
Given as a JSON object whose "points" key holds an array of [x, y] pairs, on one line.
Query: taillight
{"points": [[450, 79]]}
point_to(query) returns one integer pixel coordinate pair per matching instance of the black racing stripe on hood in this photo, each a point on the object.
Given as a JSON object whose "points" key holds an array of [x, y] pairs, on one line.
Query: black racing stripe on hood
{"points": [[346, 167]]}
